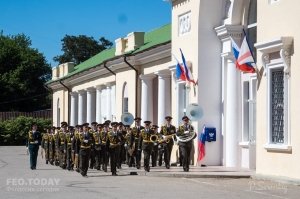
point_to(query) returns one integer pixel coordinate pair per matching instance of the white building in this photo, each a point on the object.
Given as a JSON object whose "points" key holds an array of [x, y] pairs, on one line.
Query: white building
{"points": [[138, 76]]}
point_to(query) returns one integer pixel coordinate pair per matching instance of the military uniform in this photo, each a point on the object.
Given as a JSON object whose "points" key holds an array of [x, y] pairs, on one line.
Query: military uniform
{"points": [[62, 150], [97, 148], [56, 147], [168, 131], [154, 152], [146, 145], [113, 144], [51, 148], [135, 135], [104, 150], [76, 147], [185, 147], [85, 150], [33, 142], [45, 145], [68, 149]]}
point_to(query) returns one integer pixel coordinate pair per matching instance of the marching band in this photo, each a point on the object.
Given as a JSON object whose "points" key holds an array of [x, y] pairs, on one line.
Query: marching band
{"points": [[115, 143]]}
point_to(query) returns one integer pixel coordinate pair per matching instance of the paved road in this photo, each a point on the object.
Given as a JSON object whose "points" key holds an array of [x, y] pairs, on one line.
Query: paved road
{"points": [[18, 181]]}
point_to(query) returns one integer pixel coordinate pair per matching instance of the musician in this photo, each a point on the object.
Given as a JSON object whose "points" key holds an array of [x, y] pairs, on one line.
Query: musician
{"points": [[168, 131], [97, 145], [76, 146], [33, 142], [51, 145], [154, 153], [56, 145], [185, 147], [61, 145], [113, 144], [146, 144], [104, 149], [45, 144], [121, 150], [68, 147], [86, 140], [129, 147], [92, 156], [135, 140]]}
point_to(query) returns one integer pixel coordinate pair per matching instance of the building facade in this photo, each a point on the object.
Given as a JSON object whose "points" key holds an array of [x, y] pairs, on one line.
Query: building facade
{"points": [[139, 76]]}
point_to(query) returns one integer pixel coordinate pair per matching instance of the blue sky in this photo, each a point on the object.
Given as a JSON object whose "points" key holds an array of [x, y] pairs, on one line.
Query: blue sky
{"points": [[46, 22]]}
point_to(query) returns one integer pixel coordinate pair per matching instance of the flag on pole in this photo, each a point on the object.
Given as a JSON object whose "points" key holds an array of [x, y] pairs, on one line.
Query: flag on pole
{"points": [[179, 70], [188, 74], [201, 144], [243, 56]]}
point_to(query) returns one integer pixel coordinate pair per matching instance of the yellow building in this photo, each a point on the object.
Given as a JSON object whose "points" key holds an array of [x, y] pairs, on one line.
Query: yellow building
{"points": [[255, 116]]}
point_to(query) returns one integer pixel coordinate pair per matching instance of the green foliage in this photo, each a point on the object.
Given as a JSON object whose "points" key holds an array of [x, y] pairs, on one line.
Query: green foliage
{"points": [[23, 72], [80, 48], [14, 132]]}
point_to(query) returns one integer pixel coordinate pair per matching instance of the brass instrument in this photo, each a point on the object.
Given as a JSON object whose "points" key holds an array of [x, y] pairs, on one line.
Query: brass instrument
{"points": [[127, 118], [167, 138], [153, 138]]}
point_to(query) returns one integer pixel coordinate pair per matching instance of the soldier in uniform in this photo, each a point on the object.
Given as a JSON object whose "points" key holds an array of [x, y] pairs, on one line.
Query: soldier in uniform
{"points": [[127, 137], [104, 149], [146, 144], [68, 147], [185, 147], [92, 158], [135, 135], [76, 147], [113, 144], [121, 151], [45, 144], [61, 144], [168, 131], [33, 141], [56, 145], [154, 153], [86, 140], [97, 145], [51, 145]]}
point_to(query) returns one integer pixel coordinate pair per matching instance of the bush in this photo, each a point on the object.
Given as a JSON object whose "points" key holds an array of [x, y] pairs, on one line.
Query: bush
{"points": [[14, 132]]}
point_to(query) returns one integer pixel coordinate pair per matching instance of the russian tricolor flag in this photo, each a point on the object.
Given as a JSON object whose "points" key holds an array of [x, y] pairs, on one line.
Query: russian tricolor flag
{"points": [[243, 56], [183, 72]]}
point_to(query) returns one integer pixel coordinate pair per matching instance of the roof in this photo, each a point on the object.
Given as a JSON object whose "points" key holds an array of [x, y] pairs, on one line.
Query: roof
{"points": [[151, 39]]}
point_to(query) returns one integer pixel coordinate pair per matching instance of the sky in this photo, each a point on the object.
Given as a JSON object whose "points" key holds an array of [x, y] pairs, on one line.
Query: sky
{"points": [[46, 22]]}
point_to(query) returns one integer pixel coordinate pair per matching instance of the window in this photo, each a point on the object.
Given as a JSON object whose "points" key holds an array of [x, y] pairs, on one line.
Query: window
{"points": [[58, 113], [276, 61], [276, 105], [252, 26], [125, 98]]}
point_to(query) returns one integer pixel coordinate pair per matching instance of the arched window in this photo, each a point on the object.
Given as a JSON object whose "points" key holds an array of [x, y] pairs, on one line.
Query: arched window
{"points": [[125, 98], [58, 113]]}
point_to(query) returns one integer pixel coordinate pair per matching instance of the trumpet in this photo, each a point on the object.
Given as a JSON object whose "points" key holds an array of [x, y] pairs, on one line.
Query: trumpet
{"points": [[168, 138]]}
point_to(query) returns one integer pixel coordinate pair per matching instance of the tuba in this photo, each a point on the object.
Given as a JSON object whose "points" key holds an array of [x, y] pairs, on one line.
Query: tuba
{"points": [[194, 112], [127, 118]]}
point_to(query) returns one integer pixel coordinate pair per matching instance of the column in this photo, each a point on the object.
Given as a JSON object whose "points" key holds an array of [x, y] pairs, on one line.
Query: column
{"points": [[91, 105], [81, 107], [164, 95], [113, 102], [232, 115], [108, 102], [98, 103], [103, 104], [74, 108], [147, 97]]}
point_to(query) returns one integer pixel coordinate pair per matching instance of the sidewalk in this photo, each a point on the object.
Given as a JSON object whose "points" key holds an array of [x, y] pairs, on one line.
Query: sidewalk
{"points": [[195, 172]]}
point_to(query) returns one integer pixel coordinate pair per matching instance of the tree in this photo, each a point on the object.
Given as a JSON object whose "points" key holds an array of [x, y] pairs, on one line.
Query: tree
{"points": [[80, 48], [23, 72]]}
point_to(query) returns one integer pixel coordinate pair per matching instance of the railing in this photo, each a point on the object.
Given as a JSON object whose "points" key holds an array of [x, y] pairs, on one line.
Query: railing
{"points": [[45, 114]]}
